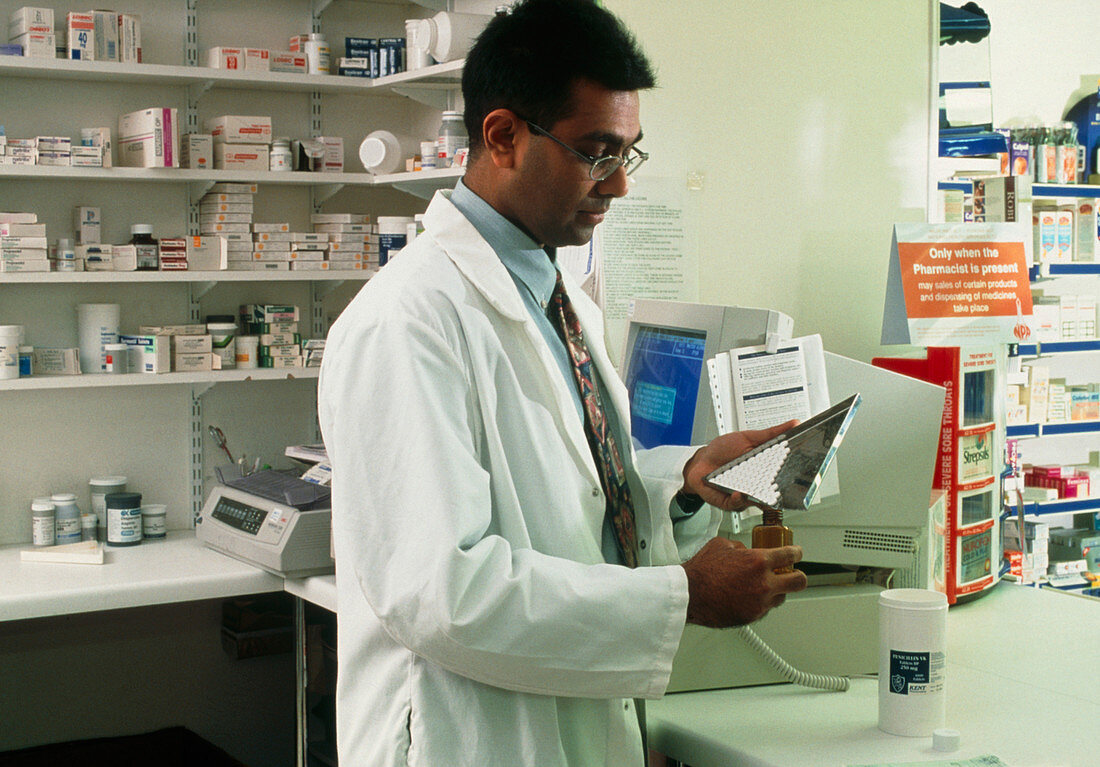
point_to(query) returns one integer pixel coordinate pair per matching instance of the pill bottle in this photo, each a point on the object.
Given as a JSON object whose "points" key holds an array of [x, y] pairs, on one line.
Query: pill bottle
{"points": [[154, 521], [452, 137], [43, 522], [117, 358], [123, 519], [100, 488], [393, 234], [65, 250], [141, 237], [427, 155], [912, 661], [771, 533], [416, 49], [1067, 153], [223, 333], [11, 337], [317, 54], [383, 152], [248, 351], [67, 517], [281, 157]]}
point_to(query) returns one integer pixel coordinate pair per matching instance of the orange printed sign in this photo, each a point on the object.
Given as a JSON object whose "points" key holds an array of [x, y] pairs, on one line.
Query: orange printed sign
{"points": [[957, 284]]}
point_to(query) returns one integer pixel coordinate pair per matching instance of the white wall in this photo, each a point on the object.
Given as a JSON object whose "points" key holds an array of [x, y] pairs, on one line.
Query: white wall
{"points": [[810, 122]]}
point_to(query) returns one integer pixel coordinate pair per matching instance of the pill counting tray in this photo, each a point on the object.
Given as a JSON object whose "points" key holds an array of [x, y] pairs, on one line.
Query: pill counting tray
{"points": [[785, 472]]}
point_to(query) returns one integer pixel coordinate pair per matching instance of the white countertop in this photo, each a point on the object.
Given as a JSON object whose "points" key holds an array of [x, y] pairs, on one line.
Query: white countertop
{"points": [[177, 569], [318, 589], [1021, 684]]}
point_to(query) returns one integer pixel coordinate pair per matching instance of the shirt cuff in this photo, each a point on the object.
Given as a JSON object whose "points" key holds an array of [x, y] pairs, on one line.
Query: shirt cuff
{"points": [[689, 503]]}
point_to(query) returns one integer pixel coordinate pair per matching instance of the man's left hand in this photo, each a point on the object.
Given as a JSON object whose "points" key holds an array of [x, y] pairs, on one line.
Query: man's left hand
{"points": [[718, 453]]}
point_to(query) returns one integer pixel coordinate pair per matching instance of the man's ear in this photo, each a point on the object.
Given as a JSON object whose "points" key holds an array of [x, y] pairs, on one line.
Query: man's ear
{"points": [[500, 130]]}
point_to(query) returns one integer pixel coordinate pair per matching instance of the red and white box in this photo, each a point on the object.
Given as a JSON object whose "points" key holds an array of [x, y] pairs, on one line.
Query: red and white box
{"points": [[241, 157], [334, 154], [222, 57], [288, 61], [149, 139], [257, 59], [37, 45], [38, 21], [239, 129], [129, 38], [80, 36]]}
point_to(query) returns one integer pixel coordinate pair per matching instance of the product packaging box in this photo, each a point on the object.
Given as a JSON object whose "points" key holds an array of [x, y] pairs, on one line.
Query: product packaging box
{"points": [[271, 245], [1045, 228], [209, 208], [80, 36], [206, 253], [124, 258], [222, 57], [270, 228], [106, 35], [310, 266], [129, 38], [338, 218], [37, 45], [226, 230], [271, 255], [257, 59], [229, 187], [56, 362], [284, 236], [267, 313], [239, 129], [149, 138], [1066, 234], [259, 266], [98, 137], [197, 151], [191, 344], [224, 218], [334, 154], [196, 362], [285, 61], [241, 156], [186, 329], [1085, 247], [86, 157], [86, 225], [28, 19]]}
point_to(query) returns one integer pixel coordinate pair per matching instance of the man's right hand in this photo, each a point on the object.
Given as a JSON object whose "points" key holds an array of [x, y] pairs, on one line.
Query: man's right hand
{"points": [[730, 585]]}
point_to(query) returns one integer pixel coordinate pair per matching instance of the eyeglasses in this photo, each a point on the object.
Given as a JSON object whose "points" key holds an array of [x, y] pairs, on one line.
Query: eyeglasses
{"points": [[601, 167]]}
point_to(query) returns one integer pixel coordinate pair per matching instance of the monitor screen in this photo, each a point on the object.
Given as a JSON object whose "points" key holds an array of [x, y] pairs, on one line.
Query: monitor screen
{"points": [[663, 374]]}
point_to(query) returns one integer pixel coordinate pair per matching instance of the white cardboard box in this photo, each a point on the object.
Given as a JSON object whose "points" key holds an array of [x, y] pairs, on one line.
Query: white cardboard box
{"points": [[37, 45], [239, 129], [197, 151], [223, 57], [129, 38], [241, 156], [106, 35], [80, 36], [257, 59], [206, 253], [149, 138]]}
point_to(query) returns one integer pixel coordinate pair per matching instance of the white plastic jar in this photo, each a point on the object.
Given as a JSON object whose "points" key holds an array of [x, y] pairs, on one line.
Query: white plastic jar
{"points": [[67, 516], [383, 152], [393, 235], [223, 335], [912, 661], [318, 54], [11, 338], [281, 157], [248, 351]]}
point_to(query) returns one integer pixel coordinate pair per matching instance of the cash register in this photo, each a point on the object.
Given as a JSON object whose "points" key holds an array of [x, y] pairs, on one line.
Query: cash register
{"points": [[270, 519]]}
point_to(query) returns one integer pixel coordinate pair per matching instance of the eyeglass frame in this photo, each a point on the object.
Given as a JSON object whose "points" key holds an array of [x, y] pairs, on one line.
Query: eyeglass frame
{"points": [[630, 164]]}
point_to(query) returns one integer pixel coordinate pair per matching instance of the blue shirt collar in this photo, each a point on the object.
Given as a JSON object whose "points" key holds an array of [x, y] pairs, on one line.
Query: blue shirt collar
{"points": [[521, 255]]}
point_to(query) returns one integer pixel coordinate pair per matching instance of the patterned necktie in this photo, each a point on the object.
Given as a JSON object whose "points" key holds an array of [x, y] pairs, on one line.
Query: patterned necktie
{"points": [[600, 440]]}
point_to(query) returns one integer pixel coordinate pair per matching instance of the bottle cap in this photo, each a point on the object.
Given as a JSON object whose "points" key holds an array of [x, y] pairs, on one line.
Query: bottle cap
{"points": [[141, 229], [945, 739]]}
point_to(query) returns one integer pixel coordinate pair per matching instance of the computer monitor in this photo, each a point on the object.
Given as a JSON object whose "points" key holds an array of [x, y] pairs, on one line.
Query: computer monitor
{"points": [[664, 361], [886, 465]]}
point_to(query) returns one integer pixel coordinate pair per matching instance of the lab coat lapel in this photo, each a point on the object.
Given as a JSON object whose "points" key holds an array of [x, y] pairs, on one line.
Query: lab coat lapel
{"points": [[482, 267]]}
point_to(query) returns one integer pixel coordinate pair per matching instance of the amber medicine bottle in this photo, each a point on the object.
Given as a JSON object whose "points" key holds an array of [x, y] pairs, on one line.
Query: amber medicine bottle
{"points": [[771, 533]]}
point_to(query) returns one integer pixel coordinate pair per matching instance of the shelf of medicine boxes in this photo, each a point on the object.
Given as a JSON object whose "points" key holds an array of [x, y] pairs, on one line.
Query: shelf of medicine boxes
{"points": [[99, 380], [446, 76], [61, 278]]}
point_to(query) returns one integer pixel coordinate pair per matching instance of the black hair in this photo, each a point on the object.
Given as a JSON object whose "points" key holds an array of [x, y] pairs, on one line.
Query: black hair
{"points": [[528, 60]]}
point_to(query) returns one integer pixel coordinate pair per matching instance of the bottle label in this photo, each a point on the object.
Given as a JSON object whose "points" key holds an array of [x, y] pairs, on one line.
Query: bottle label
{"points": [[123, 525], [916, 673], [43, 531]]}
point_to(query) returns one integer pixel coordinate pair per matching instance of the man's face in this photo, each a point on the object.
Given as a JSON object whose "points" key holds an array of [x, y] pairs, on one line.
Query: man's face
{"points": [[557, 201]]}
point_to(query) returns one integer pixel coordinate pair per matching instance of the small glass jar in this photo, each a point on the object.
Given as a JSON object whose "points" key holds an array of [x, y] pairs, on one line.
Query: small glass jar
{"points": [[452, 138]]}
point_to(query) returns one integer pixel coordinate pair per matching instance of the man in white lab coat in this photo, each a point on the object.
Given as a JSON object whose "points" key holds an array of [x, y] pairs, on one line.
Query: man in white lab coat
{"points": [[487, 615]]}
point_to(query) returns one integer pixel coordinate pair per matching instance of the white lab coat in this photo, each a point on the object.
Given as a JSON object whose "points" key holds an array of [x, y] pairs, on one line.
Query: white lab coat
{"points": [[478, 621]]}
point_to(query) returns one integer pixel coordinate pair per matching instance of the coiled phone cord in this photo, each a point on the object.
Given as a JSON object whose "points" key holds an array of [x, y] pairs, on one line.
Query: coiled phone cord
{"points": [[789, 672]]}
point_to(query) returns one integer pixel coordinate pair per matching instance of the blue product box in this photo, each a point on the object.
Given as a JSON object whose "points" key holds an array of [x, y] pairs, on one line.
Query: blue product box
{"points": [[359, 47], [11, 49], [391, 56], [354, 72]]}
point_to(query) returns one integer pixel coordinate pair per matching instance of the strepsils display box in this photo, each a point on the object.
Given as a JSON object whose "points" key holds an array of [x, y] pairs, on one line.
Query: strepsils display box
{"points": [[239, 129], [106, 35], [37, 45], [80, 36], [285, 61], [149, 138], [222, 57], [197, 151], [242, 156], [129, 38]]}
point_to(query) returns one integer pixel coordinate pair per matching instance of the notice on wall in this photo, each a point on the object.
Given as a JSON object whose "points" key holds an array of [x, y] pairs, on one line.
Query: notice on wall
{"points": [[647, 251], [957, 285]]}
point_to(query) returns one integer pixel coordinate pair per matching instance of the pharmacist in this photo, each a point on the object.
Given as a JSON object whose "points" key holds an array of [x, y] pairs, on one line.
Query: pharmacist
{"points": [[508, 569]]}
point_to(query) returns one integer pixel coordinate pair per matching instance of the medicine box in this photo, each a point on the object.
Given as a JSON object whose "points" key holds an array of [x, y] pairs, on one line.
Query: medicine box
{"points": [[124, 258], [242, 156], [191, 344], [257, 59], [196, 362], [222, 57], [1085, 249], [106, 35], [334, 154], [37, 45], [28, 19], [229, 187], [149, 138], [270, 228], [80, 36], [174, 330], [86, 224], [56, 362], [206, 253], [197, 151], [285, 61], [129, 38], [239, 129], [86, 157]]}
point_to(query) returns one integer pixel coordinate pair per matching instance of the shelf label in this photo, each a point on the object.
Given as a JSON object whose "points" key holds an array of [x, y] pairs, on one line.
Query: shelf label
{"points": [[957, 285]]}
